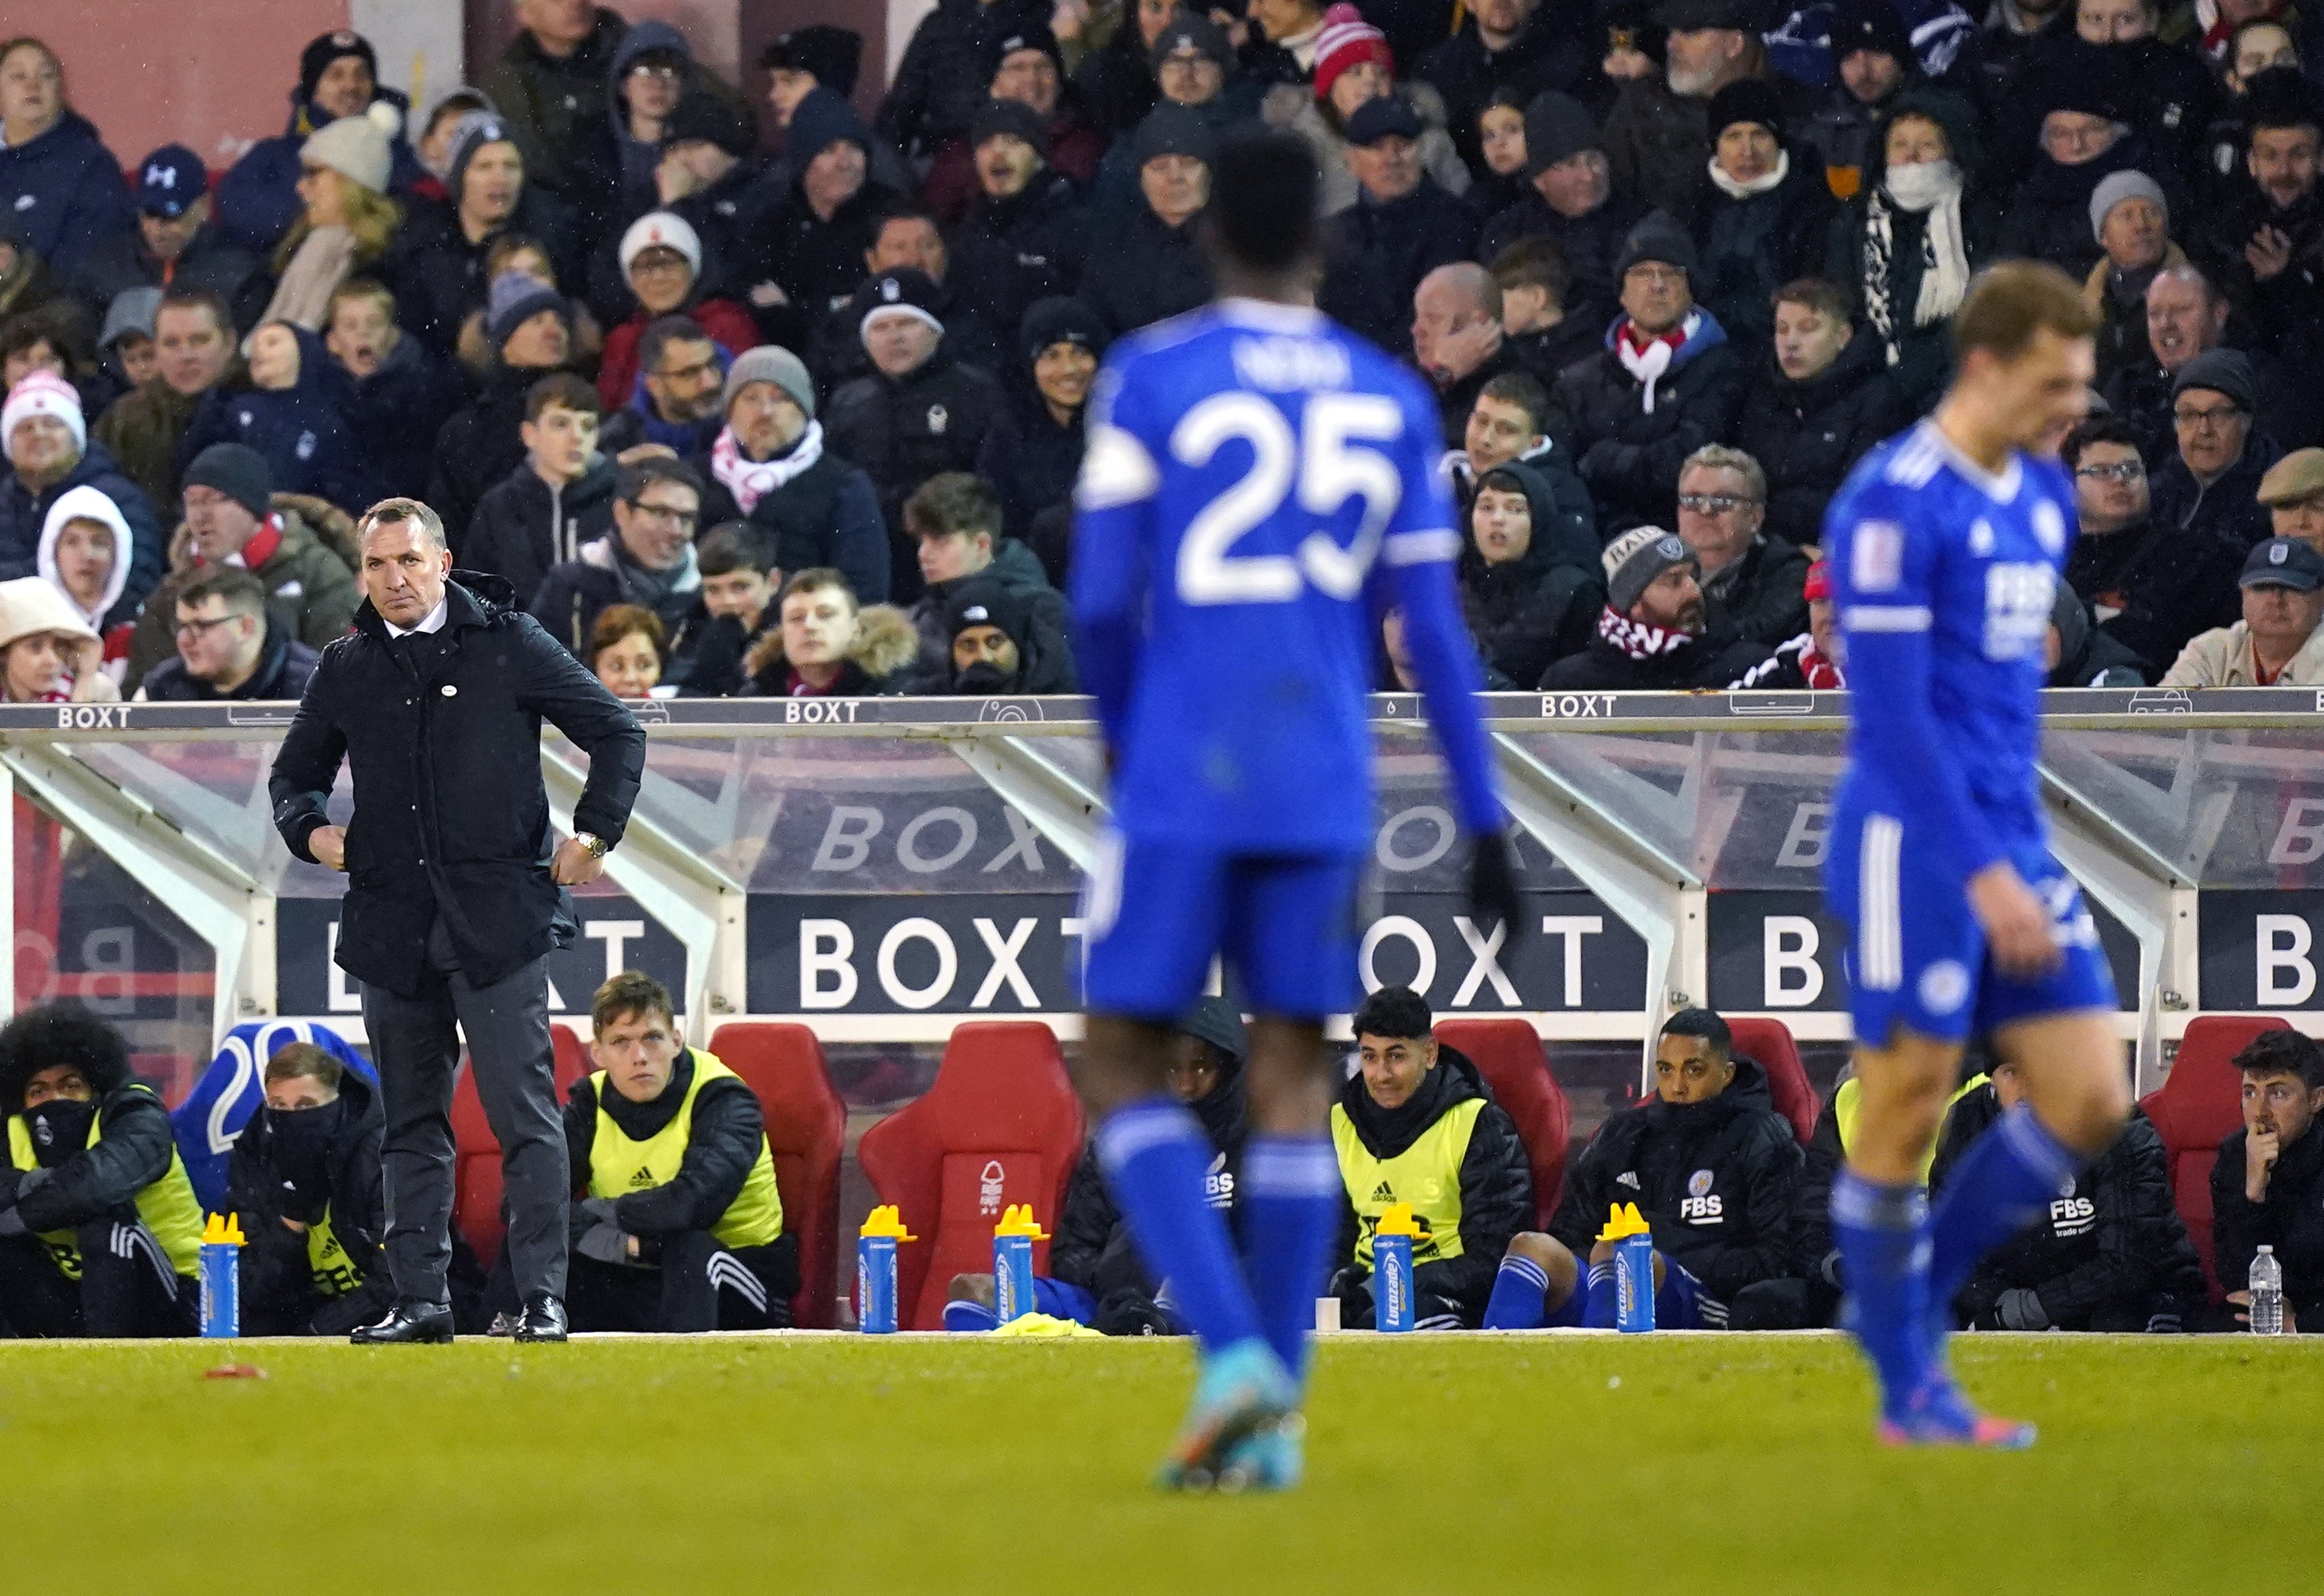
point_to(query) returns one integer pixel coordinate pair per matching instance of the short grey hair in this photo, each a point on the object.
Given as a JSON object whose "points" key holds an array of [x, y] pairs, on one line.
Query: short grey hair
{"points": [[395, 512], [1719, 457]]}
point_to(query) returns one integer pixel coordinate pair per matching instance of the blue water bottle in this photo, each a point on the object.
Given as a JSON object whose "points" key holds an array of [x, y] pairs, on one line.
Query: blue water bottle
{"points": [[875, 1270], [221, 1276], [1013, 1263], [1634, 1269], [1392, 1242]]}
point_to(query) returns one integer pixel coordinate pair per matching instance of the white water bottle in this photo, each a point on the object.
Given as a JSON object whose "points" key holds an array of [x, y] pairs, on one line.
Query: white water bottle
{"points": [[2266, 1293]]}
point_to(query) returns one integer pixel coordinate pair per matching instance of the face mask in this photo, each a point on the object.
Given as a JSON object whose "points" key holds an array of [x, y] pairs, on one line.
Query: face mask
{"points": [[61, 1129], [301, 1139], [984, 677], [1918, 187]]}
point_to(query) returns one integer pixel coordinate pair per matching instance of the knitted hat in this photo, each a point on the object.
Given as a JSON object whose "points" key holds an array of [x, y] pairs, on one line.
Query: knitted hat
{"points": [[1383, 116], [1634, 559], [43, 393], [1200, 34], [1694, 16], [705, 118], [984, 600], [1558, 127], [831, 55], [355, 147], [2085, 80], [1175, 129], [2220, 371], [1657, 238], [516, 299], [317, 58], [822, 118], [1747, 99], [2116, 187], [1014, 117], [2298, 475], [133, 310], [1871, 25], [1022, 38], [236, 470], [904, 289], [1345, 40], [471, 133], [1061, 319], [1817, 584], [772, 363], [661, 230]]}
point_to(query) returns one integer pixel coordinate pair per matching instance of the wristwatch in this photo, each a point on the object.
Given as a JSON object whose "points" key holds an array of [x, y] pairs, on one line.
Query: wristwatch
{"points": [[597, 845]]}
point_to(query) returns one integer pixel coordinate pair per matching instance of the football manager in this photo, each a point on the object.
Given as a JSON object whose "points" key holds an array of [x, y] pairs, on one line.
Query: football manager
{"points": [[454, 898]]}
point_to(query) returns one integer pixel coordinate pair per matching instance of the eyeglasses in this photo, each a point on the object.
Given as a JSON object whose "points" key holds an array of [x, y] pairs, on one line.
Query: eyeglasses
{"points": [[656, 74], [1712, 504], [200, 629], [666, 515], [1664, 276], [2217, 418], [689, 373], [2121, 470]]}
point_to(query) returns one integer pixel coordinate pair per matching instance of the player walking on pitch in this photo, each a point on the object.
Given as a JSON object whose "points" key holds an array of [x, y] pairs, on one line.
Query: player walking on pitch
{"points": [[1946, 544], [1259, 487]]}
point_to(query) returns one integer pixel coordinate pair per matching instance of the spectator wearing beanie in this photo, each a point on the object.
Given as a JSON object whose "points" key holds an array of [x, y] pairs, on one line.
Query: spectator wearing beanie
{"points": [[49, 454], [816, 241], [2082, 138], [348, 223], [1570, 201], [1872, 56], [1655, 633], [1194, 70], [60, 185], [771, 465], [2085, 655], [1819, 401], [1033, 452], [662, 262], [529, 329], [1025, 237], [1666, 383], [2210, 487], [2130, 218], [1656, 135], [1402, 226], [438, 270], [1766, 218], [291, 404], [1150, 264], [258, 199], [1353, 66], [1028, 69], [918, 412], [550, 84], [710, 179], [1513, 48], [310, 594], [946, 70], [176, 244], [999, 648]]}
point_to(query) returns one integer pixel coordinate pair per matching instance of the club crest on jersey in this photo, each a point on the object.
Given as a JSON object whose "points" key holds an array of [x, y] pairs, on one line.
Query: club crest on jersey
{"points": [[1944, 986], [2050, 529], [1698, 1183], [938, 418], [1876, 557]]}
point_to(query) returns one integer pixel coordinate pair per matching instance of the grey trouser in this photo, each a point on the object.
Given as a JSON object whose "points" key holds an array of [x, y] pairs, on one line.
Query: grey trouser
{"points": [[416, 1053]]}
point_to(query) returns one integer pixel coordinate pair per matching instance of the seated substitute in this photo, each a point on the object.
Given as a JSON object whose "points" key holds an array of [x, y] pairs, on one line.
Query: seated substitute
{"points": [[2108, 1254], [1417, 1125], [100, 1231], [677, 1224], [1713, 1168], [304, 1177], [2267, 1187], [1095, 1275]]}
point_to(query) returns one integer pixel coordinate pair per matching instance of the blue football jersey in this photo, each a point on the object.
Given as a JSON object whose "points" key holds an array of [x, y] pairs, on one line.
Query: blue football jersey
{"points": [[1945, 575], [1259, 486]]}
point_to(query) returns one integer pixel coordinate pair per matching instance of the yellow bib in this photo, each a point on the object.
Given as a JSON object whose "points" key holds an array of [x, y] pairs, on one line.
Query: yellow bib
{"points": [[1427, 1174], [167, 1206], [1848, 1102], [619, 1166], [334, 1272]]}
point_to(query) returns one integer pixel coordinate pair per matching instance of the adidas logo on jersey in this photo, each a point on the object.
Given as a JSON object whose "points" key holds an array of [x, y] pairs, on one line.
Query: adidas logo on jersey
{"points": [[1628, 1178], [641, 1180], [1384, 1193]]}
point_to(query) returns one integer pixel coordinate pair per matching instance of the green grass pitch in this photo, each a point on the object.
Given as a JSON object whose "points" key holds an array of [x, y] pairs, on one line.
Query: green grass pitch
{"points": [[1558, 1463]]}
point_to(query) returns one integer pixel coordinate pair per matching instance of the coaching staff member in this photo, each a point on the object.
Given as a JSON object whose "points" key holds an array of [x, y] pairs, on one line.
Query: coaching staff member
{"points": [[436, 700]]}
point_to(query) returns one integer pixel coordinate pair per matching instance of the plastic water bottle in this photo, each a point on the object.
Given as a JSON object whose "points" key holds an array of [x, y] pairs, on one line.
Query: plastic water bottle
{"points": [[1392, 1239], [1013, 1263], [875, 1270], [220, 1265], [2266, 1293], [1633, 1241]]}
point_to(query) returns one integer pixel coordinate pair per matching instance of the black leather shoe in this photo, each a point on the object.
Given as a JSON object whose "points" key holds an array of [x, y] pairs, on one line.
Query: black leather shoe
{"points": [[543, 1318], [409, 1322]]}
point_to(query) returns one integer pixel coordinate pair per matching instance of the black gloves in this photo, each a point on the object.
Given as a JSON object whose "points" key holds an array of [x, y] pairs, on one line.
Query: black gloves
{"points": [[1493, 886]]}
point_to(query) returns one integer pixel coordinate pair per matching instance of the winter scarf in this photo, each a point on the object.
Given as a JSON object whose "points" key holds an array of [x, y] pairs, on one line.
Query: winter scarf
{"points": [[303, 297], [1767, 184], [1636, 640], [750, 480], [1651, 364], [1933, 187]]}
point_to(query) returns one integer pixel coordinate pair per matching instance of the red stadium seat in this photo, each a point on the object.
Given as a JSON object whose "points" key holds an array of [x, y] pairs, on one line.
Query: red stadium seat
{"points": [[2199, 1106], [806, 1132], [476, 1152], [1770, 1043], [1002, 1125], [1514, 1063]]}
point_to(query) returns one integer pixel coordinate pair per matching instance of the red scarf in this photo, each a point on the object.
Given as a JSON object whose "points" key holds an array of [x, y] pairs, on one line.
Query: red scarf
{"points": [[1636, 638], [1640, 342], [1822, 673], [262, 544]]}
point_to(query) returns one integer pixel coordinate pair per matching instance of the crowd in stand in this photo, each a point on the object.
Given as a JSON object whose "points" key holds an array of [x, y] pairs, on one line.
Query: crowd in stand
{"points": [[729, 424]]}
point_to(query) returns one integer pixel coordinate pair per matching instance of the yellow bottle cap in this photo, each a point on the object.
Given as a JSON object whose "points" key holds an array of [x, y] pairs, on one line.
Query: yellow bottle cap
{"points": [[886, 1222], [1623, 1219], [1017, 1220], [222, 1229], [1397, 1222]]}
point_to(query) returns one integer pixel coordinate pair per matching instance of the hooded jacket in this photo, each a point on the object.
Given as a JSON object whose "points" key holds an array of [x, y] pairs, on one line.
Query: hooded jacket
{"points": [[2291, 1220], [1718, 1181], [2087, 656], [443, 736], [1630, 456], [554, 110], [903, 430], [258, 199], [885, 644], [634, 159], [524, 526], [134, 1148], [78, 504], [271, 1177], [1527, 612], [24, 514], [943, 76], [1496, 1188], [1806, 435], [302, 431], [311, 596], [65, 190], [2109, 1254], [1378, 254], [1141, 269]]}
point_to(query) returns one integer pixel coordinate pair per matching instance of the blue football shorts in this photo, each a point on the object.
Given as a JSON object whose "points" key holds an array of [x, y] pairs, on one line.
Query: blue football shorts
{"points": [[1155, 913], [1916, 955]]}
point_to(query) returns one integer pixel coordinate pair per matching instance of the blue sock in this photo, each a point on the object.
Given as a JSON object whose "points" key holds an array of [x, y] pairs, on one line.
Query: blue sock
{"points": [[1602, 1303], [969, 1315], [1882, 1235], [1520, 1299], [2002, 1184], [1288, 1204], [1155, 1155]]}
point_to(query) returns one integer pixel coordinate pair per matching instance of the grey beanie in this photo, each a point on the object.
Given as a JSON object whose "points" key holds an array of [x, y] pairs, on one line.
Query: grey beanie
{"points": [[2116, 187], [1634, 559], [771, 363], [2224, 372]]}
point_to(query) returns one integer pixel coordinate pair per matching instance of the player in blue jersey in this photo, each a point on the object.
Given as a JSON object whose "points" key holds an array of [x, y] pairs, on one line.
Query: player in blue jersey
{"points": [[1259, 487], [1945, 546]]}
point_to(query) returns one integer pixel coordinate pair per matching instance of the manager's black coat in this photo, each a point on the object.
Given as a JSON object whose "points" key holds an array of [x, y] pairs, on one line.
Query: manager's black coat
{"points": [[451, 816]]}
